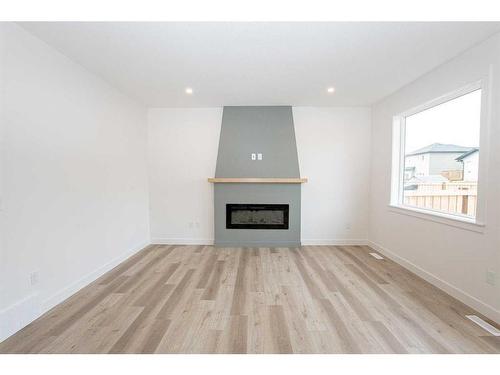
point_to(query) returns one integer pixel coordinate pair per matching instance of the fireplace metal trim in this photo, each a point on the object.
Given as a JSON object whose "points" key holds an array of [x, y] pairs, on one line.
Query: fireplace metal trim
{"points": [[251, 206]]}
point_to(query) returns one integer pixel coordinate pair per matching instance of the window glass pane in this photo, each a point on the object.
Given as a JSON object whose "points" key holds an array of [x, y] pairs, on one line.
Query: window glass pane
{"points": [[442, 156]]}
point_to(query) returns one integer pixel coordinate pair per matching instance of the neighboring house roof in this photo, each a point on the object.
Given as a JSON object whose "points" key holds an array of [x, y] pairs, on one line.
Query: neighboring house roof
{"points": [[462, 157], [440, 148], [430, 179]]}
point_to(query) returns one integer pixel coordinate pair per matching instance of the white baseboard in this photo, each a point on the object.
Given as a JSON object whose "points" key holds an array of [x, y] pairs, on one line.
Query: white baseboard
{"points": [[18, 315], [23, 312], [305, 242], [183, 241], [71, 289], [483, 308], [337, 242]]}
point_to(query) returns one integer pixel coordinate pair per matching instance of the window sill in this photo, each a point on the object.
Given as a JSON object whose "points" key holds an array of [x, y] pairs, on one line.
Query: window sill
{"points": [[441, 218]]}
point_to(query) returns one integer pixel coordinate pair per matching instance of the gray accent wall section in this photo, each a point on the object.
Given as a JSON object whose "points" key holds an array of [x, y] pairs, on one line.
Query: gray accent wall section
{"points": [[266, 130], [257, 193]]}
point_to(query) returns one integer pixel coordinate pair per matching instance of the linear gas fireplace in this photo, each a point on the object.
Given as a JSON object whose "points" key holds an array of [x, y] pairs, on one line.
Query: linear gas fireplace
{"points": [[257, 216]]}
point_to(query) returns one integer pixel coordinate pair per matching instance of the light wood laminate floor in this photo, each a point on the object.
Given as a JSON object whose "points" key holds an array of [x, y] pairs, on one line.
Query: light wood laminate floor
{"points": [[202, 299]]}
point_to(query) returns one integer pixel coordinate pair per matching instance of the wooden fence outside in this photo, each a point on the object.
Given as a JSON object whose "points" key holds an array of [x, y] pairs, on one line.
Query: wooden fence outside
{"points": [[450, 197]]}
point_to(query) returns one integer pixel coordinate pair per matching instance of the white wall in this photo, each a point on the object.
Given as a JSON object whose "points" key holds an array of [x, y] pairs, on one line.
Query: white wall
{"points": [[420, 162], [453, 258], [471, 167], [439, 162], [183, 147], [334, 153], [333, 146], [74, 183]]}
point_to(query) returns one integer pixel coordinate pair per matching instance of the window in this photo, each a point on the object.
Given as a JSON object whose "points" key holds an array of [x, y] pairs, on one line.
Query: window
{"points": [[436, 156]]}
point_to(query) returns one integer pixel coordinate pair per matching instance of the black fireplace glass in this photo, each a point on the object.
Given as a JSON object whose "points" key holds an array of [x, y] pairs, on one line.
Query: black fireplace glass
{"points": [[257, 216]]}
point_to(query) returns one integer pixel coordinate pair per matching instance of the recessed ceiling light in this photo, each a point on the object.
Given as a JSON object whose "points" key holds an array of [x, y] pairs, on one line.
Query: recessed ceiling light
{"points": [[330, 90], [189, 90]]}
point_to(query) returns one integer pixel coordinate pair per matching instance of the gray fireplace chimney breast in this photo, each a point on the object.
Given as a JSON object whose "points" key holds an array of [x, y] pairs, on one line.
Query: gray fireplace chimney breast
{"points": [[268, 131]]}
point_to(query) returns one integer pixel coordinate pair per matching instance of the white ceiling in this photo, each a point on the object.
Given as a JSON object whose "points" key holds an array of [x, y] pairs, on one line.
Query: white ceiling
{"points": [[260, 63]]}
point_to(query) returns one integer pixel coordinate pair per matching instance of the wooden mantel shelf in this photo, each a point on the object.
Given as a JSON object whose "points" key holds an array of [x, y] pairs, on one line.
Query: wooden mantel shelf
{"points": [[255, 180]]}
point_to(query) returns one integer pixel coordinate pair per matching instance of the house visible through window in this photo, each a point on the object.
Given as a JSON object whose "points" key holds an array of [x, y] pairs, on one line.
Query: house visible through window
{"points": [[441, 157]]}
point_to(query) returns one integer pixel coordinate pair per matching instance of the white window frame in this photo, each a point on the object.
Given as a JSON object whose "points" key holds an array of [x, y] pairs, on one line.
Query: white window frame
{"points": [[396, 204]]}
